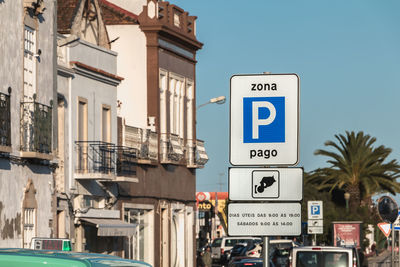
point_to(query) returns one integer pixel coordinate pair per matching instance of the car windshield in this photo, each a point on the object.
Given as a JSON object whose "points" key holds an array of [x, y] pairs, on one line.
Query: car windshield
{"points": [[216, 243], [322, 259]]}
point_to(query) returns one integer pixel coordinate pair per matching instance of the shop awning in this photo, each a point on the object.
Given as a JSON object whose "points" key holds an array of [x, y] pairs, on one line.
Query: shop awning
{"points": [[111, 227]]}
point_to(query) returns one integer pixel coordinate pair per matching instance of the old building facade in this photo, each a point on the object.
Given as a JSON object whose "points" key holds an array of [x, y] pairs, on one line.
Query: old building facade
{"points": [[87, 180], [27, 125], [97, 120], [157, 56]]}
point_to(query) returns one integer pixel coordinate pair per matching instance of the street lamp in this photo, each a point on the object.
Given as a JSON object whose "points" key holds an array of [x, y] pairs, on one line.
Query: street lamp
{"points": [[347, 197], [217, 100]]}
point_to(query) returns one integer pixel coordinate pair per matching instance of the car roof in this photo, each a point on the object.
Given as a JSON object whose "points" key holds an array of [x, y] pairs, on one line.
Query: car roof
{"points": [[88, 259], [278, 241], [321, 248]]}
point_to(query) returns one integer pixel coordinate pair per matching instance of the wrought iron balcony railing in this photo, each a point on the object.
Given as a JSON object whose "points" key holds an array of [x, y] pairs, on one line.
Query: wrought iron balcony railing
{"points": [[36, 128], [5, 123], [126, 161], [95, 158]]}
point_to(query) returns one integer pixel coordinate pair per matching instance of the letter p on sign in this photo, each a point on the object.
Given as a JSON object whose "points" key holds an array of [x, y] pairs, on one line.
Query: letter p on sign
{"points": [[263, 119], [256, 118], [315, 210]]}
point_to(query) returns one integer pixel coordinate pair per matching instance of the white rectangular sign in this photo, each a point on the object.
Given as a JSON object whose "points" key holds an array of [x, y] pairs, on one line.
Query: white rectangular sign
{"points": [[315, 230], [264, 219], [315, 223], [277, 184], [315, 210], [264, 119]]}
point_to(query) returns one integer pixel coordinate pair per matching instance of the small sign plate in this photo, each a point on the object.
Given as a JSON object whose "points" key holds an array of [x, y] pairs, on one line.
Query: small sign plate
{"points": [[315, 210], [274, 184], [264, 219]]}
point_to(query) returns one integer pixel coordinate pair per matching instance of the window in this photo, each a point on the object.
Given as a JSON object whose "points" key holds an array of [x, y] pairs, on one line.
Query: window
{"points": [[82, 160], [29, 226], [189, 109], [29, 209], [82, 120], [105, 122], [29, 63], [163, 101], [140, 246], [176, 105]]}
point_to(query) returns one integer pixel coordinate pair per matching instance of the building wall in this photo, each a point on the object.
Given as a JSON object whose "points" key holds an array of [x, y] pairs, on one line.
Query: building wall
{"points": [[163, 181], [131, 49], [14, 171], [134, 6], [176, 64], [13, 180]]}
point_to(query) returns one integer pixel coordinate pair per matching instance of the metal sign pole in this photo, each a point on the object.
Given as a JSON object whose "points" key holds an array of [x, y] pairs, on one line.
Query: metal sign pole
{"points": [[392, 261], [265, 251], [399, 248]]}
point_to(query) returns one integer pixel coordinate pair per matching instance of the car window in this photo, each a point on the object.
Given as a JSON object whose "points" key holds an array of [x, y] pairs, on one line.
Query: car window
{"points": [[321, 259], [216, 243], [307, 259], [230, 242]]}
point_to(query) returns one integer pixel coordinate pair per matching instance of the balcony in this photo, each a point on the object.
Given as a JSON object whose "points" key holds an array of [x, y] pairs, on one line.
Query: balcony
{"points": [[5, 123], [95, 160], [144, 142], [105, 162], [196, 154], [36, 130], [126, 164], [172, 149]]}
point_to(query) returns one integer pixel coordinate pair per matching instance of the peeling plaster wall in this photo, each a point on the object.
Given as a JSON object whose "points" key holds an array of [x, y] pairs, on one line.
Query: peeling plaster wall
{"points": [[13, 174], [13, 180]]}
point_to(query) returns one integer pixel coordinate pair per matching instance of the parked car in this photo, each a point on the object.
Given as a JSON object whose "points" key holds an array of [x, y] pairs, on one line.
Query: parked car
{"points": [[249, 262], [16, 257], [222, 244], [320, 256], [279, 251]]}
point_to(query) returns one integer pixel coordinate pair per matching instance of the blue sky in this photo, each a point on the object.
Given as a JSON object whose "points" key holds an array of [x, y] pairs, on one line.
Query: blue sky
{"points": [[346, 53]]}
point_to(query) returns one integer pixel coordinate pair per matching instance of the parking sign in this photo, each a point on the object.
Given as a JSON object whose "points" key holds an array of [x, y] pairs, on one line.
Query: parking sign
{"points": [[264, 111], [315, 210]]}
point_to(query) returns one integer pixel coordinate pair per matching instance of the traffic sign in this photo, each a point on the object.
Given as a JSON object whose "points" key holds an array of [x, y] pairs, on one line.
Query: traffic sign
{"points": [[315, 227], [385, 228], [264, 219], [315, 210], [315, 230], [264, 119], [274, 184], [396, 224]]}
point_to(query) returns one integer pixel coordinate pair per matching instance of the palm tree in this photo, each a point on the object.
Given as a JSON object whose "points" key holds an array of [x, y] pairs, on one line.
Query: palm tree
{"points": [[357, 167]]}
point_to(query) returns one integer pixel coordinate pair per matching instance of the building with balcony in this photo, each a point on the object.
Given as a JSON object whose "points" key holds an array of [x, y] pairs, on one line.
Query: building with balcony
{"points": [[156, 45], [91, 163], [27, 126]]}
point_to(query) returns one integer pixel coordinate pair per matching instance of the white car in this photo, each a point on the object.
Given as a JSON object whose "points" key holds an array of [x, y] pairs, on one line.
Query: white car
{"points": [[322, 256], [220, 245]]}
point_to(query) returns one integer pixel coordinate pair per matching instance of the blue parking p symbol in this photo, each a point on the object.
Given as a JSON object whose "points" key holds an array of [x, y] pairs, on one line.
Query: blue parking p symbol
{"points": [[315, 210], [263, 119]]}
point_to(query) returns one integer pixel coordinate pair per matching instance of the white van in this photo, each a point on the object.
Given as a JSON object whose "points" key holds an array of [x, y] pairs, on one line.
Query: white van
{"points": [[318, 256], [222, 244]]}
